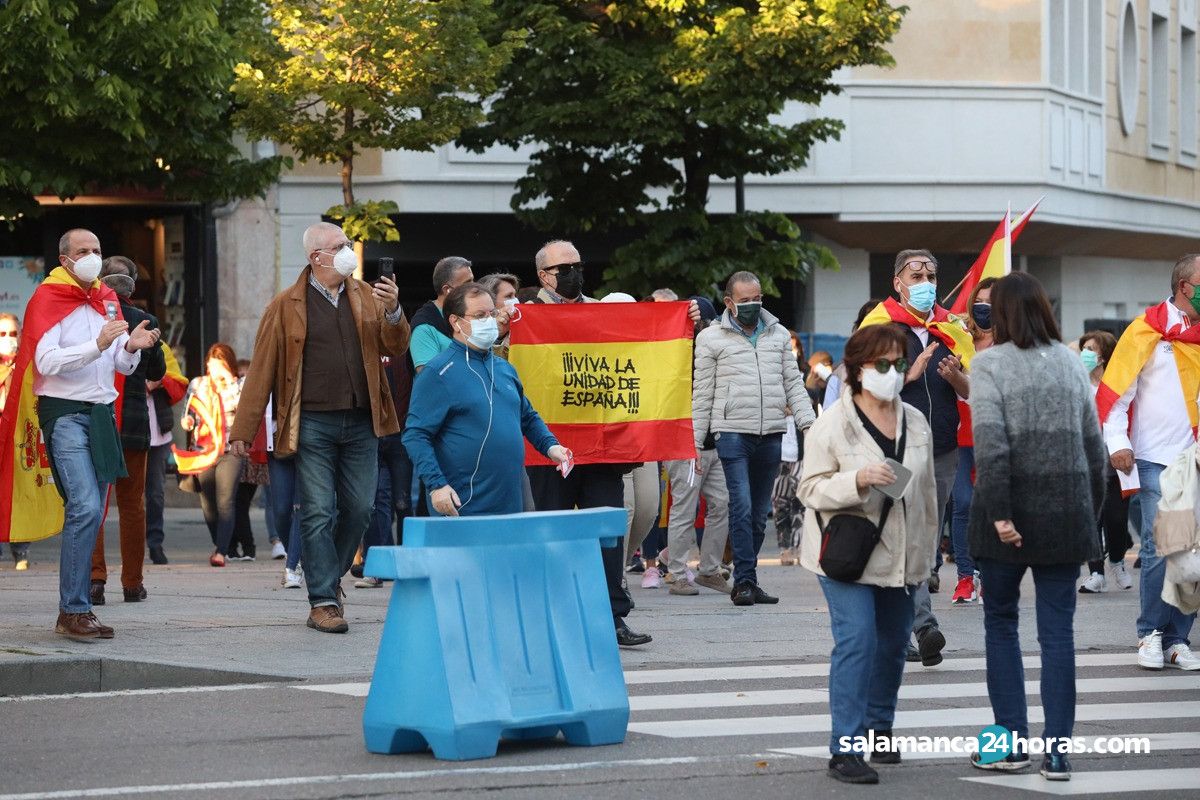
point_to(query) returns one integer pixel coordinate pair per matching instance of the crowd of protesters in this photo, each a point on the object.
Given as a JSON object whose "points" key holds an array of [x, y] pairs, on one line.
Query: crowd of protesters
{"points": [[354, 418]]}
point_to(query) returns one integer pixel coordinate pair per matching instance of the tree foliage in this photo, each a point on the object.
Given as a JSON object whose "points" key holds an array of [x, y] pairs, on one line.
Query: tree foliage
{"points": [[336, 77], [112, 94], [635, 106]]}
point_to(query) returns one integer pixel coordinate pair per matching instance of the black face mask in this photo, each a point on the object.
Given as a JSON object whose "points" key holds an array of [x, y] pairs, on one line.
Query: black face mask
{"points": [[982, 314], [570, 283]]}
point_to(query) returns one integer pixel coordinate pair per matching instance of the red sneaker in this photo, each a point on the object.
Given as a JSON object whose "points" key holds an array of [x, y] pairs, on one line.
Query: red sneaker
{"points": [[964, 592]]}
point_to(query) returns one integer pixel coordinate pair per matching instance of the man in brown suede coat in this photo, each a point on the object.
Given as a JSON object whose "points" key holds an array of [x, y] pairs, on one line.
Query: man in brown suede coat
{"points": [[317, 352]]}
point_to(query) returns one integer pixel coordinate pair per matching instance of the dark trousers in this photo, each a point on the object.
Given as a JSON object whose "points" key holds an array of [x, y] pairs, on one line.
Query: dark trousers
{"points": [[1054, 591], [1114, 526], [750, 463], [243, 534], [218, 500], [391, 493], [588, 486], [156, 476]]}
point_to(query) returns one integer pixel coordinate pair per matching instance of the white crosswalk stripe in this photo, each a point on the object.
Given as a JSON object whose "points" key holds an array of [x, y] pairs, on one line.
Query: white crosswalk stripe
{"points": [[770, 704]]}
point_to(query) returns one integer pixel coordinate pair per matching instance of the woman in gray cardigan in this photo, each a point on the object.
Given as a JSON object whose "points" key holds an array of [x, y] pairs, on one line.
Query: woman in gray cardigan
{"points": [[1039, 488]]}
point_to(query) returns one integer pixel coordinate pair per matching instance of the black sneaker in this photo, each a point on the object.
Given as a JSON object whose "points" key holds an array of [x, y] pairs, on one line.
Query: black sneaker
{"points": [[929, 645], [157, 555], [762, 598], [935, 583], [1055, 767], [743, 594], [884, 754], [1013, 762], [851, 769]]}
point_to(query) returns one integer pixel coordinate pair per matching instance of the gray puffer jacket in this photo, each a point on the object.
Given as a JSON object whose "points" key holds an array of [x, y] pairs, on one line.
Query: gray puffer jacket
{"points": [[741, 387]]}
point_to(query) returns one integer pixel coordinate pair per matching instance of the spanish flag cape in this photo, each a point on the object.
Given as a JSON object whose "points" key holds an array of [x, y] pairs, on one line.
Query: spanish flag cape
{"points": [[1133, 351], [944, 326], [30, 506], [173, 382], [209, 433]]}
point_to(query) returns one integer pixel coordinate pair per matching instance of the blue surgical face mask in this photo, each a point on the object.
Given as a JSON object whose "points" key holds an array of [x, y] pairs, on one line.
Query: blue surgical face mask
{"points": [[982, 314], [922, 296], [1090, 359]]}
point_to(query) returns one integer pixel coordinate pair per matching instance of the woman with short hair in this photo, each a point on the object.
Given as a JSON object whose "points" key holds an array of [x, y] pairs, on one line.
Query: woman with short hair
{"points": [[846, 464]]}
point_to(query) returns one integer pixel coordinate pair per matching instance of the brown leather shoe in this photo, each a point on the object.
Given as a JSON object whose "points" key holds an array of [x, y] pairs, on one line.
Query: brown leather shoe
{"points": [[327, 619], [81, 627]]}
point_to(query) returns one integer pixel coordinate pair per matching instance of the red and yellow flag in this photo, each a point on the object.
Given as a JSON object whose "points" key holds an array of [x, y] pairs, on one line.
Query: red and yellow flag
{"points": [[613, 381], [30, 506], [995, 260], [942, 326], [1133, 351], [173, 382], [209, 434]]}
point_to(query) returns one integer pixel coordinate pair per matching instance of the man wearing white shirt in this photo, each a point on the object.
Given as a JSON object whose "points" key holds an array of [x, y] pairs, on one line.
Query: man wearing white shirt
{"points": [[1147, 424], [75, 361]]}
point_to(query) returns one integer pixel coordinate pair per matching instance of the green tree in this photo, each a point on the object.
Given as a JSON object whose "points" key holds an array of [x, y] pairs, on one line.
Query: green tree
{"points": [[336, 77], [107, 94], [635, 106]]}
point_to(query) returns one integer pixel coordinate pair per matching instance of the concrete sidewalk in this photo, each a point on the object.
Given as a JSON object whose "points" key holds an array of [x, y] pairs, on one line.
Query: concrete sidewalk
{"points": [[239, 620]]}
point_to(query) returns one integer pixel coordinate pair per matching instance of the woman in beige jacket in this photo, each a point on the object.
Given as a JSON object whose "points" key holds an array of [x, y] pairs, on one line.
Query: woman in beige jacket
{"points": [[844, 457]]}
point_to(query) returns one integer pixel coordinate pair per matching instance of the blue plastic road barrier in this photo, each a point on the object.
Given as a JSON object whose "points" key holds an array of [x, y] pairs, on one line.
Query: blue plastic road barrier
{"points": [[498, 628]]}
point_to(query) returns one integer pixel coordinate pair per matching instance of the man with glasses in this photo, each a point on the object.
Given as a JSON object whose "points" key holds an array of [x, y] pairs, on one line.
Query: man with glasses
{"points": [[317, 353], [560, 273], [939, 348], [469, 417]]}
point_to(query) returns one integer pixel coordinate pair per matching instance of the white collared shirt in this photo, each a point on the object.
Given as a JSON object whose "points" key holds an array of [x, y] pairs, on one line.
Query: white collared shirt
{"points": [[1161, 426], [69, 364]]}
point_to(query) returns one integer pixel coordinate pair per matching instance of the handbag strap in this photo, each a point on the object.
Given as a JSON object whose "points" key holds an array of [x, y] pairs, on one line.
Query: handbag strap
{"points": [[887, 501]]}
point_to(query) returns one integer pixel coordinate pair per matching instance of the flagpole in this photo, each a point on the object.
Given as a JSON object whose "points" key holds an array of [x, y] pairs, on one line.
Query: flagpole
{"points": [[1008, 240]]}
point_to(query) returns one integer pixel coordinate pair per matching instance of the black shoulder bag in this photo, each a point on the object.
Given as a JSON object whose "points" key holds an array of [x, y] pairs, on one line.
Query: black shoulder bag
{"points": [[848, 540]]}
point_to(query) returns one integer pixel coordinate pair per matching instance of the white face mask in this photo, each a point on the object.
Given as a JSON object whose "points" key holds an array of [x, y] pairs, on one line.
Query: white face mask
{"points": [[87, 268], [884, 385], [484, 332], [8, 347], [345, 262]]}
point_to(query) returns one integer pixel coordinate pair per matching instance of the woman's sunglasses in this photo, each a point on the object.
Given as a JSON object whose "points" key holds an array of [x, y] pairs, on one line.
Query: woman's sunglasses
{"points": [[882, 365]]}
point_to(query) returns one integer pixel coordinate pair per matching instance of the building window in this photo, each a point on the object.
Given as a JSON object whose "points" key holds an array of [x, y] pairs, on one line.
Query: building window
{"points": [[1076, 62], [1128, 70], [1187, 88], [1160, 83]]}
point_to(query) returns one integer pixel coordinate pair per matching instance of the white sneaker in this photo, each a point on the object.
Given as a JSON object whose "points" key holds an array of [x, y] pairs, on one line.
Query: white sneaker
{"points": [[1121, 574], [1180, 656], [1150, 652], [368, 582], [651, 580], [278, 551], [292, 579], [1094, 584]]}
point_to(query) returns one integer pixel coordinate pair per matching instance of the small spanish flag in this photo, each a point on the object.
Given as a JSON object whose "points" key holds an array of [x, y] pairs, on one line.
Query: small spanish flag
{"points": [[995, 259], [173, 382], [613, 381], [30, 506]]}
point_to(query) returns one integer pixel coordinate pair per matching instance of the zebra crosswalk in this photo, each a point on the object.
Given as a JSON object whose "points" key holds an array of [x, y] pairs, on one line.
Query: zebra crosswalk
{"points": [[782, 709]]}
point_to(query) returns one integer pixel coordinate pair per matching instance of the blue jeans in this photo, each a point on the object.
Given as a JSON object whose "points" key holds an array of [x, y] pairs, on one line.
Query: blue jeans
{"points": [[1054, 590], [1155, 614], [336, 463], [84, 511], [391, 492], [156, 476], [285, 506], [960, 498], [870, 630], [750, 463]]}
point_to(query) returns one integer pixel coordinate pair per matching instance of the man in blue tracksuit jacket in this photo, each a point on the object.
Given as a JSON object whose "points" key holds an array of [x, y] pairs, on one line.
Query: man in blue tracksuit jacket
{"points": [[468, 417]]}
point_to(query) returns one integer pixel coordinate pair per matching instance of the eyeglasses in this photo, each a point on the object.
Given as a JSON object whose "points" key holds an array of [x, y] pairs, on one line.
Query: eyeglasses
{"points": [[495, 313], [882, 365], [554, 270], [915, 266], [334, 250]]}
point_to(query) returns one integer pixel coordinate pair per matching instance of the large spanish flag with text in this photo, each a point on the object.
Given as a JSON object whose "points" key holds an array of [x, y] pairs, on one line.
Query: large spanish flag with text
{"points": [[30, 506], [613, 381]]}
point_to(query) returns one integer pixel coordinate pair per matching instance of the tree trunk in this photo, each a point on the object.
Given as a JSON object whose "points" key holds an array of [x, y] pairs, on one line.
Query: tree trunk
{"points": [[347, 171], [696, 181]]}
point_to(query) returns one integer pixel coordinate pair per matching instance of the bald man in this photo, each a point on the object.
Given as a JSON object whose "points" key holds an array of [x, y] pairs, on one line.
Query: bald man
{"points": [[318, 352]]}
